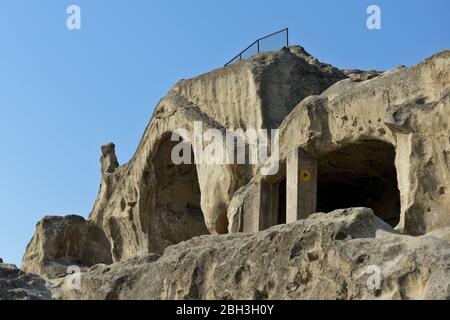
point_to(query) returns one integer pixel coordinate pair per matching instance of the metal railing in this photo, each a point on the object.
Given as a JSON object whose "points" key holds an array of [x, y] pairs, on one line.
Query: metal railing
{"points": [[262, 45]]}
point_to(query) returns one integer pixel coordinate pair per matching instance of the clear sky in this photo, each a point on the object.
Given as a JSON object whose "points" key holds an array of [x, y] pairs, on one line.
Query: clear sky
{"points": [[64, 93]]}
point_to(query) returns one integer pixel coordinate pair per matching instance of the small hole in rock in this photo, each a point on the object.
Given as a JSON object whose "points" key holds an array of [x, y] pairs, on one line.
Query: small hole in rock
{"points": [[340, 236]]}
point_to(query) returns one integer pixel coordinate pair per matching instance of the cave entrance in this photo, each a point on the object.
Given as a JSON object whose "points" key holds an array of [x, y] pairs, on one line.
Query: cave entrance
{"points": [[360, 175], [179, 216]]}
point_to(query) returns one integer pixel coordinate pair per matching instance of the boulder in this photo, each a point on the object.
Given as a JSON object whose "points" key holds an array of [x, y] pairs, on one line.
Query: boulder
{"points": [[61, 242], [346, 254], [18, 285]]}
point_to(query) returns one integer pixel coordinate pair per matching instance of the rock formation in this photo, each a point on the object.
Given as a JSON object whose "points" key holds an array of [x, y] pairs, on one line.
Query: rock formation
{"points": [[384, 141], [328, 256], [18, 285], [61, 242], [136, 207], [372, 139]]}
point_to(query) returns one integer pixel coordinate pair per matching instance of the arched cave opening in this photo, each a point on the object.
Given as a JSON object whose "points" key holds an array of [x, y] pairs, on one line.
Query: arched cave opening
{"points": [[179, 216], [360, 175]]}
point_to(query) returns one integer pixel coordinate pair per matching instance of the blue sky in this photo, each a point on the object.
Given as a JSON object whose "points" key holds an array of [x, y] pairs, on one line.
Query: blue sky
{"points": [[64, 93]]}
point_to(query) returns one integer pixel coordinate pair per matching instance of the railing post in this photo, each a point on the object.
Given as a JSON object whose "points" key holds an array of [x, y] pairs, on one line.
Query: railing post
{"points": [[287, 37], [258, 46]]}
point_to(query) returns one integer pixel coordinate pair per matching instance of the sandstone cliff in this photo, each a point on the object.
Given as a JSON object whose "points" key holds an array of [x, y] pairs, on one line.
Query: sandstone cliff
{"points": [[328, 256], [136, 207], [379, 140]]}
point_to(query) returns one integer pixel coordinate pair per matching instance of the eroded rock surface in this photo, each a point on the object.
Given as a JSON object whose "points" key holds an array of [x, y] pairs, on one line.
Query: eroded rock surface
{"points": [[327, 256], [380, 139], [381, 142], [60, 242], [146, 204], [18, 285], [385, 135]]}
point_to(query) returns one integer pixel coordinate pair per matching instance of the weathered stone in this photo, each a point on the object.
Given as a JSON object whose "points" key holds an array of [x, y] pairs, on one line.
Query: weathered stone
{"points": [[108, 160], [327, 256], [60, 242], [378, 139], [370, 135], [443, 234], [394, 127], [137, 206], [18, 285]]}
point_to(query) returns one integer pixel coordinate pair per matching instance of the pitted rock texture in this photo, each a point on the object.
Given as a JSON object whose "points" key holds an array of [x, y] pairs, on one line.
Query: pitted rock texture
{"points": [[327, 256], [148, 203], [381, 140], [393, 126], [61, 242], [18, 285]]}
